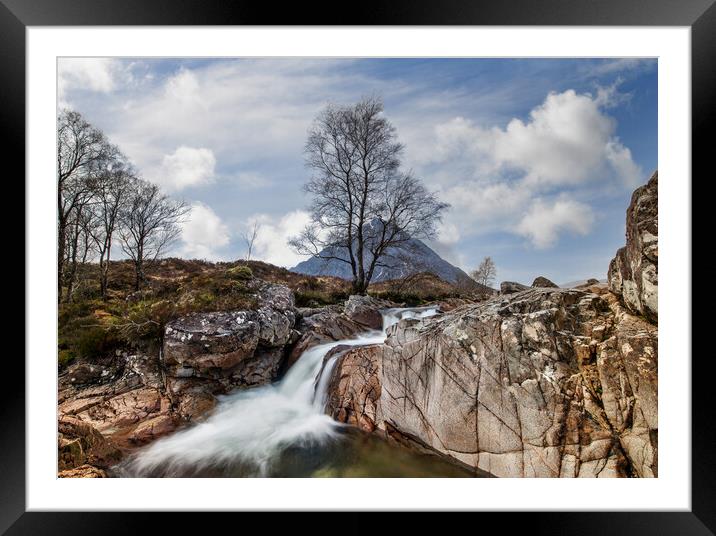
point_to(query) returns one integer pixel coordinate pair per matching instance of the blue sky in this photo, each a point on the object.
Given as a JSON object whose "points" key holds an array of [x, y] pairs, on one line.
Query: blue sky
{"points": [[537, 157]]}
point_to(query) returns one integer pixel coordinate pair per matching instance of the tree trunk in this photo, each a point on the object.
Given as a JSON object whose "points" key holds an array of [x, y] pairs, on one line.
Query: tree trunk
{"points": [[61, 237], [139, 274], [360, 287]]}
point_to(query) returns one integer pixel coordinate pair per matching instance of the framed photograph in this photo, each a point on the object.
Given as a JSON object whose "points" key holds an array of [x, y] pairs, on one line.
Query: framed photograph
{"points": [[406, 262]]}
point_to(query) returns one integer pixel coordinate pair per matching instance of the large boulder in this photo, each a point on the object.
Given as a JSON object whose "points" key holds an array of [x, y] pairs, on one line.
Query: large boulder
{"points": [[510, 287], [204, 342], [544, 383], [215, 352], [633, 273], [541, 382], [543, 282]]}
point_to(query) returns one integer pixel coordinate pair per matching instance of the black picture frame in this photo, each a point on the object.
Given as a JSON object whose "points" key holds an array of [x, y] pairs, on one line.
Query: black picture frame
{"points": [[699, 15]]}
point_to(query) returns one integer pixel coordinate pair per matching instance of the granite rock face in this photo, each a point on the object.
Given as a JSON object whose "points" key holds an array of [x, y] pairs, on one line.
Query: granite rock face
{"points": [[545, 383], [633, 273], [354, 390]]}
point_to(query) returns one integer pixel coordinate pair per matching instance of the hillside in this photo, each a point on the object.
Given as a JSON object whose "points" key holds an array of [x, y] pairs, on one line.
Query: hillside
{"points": [[89, 327]]}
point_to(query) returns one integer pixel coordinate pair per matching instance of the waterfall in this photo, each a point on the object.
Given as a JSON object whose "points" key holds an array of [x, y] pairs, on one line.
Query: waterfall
{"points": [[253, 427]]}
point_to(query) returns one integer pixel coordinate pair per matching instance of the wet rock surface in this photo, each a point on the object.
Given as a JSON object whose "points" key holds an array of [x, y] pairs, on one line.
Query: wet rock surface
{"points": [[126, 404], [217, 352]]}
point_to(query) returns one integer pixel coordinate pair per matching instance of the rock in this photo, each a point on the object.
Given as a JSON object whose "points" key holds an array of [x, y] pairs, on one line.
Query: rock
{"points": [[544, 383], [510, 287], [276, 315], [195, 406], [118, 409], [592, 281], [354, 388], [535, 386], [134, 399], [79, 443], [633, 273], [86, 373], [84, 471], [153, 428], [318, 326], [366, 310], [543, 282], [206, 341], [224, 350]]}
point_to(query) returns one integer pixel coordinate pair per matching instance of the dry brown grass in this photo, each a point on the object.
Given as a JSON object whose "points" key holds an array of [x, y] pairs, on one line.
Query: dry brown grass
{"points": [[90, 327]]}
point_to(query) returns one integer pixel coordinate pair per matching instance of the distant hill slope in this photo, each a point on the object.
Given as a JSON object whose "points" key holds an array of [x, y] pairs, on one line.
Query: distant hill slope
{"points": [[416, 257]]}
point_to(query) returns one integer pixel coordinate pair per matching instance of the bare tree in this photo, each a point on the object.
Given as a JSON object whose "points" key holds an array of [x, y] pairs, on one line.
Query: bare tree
{"points": [[111, 194], [81, 151], [79, 245], [486, 272], [250, 238], [363, 206], [149, 225]]}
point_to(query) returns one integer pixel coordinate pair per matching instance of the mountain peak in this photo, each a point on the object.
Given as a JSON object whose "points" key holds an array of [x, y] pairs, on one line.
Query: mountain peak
{"points": [[413, 256]]}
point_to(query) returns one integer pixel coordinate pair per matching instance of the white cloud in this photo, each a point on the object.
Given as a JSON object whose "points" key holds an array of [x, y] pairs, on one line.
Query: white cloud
{"points": [[272, 238], [544, 221], [87, 74], [95, 74], [497, 179], [185, 167], [247, 111], [254, 114], [562, 143], [448, 233], [566, 141], [203, 234], [621, 161], [183, 86]]}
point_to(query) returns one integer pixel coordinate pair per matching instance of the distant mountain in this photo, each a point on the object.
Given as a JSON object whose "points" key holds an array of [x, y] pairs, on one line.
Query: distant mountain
{"points": [[414, 257]]}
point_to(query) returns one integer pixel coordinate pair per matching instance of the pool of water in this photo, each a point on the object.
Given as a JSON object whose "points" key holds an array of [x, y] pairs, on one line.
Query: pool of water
{"points": [[349, 454]]}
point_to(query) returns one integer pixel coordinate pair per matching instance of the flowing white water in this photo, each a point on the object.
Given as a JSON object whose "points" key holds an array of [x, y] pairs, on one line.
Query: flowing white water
{"points": [[253, 427]]}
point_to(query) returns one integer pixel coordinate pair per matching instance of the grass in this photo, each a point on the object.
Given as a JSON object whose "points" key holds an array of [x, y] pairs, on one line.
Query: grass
{"points": [[90, 328]]}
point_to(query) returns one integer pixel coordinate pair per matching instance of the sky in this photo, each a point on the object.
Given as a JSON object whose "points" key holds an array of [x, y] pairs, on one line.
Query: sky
{"points": [[536, 157]]}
